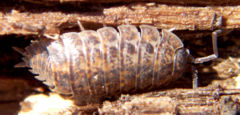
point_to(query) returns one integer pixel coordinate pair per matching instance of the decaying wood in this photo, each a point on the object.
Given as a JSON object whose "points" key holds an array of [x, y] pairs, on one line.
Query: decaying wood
{"points": [[13, 90], [179, 2], [181, 101], [204, 101], [162, 16]]}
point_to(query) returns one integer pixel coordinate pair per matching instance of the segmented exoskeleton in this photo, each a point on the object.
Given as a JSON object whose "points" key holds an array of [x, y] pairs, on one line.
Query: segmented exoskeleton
{"points": [[92, 65]]}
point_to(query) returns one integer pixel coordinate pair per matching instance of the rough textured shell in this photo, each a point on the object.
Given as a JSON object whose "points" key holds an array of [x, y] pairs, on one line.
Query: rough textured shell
{"points": [[92, 65]]}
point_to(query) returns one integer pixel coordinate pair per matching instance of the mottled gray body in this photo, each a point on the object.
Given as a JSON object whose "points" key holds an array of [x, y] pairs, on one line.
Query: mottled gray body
{"points": [[92, 65]]}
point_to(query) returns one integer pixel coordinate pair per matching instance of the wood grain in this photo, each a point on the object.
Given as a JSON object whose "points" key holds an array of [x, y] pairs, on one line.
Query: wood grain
{"points": [[176, 2], [161, 16]]}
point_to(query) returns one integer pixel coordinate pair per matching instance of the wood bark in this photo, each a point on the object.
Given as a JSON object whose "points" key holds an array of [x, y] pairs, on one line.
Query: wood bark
{"points": [[178, 2], [181, 101], [33, 21]]}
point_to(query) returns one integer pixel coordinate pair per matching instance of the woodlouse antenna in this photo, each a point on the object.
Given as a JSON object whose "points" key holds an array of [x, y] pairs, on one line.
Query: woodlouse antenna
{"points": [[206, 58], [215, 50]]}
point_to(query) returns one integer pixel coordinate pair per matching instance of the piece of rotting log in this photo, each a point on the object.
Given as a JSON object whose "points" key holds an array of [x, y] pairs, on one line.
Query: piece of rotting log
{"points": [[175, 2], [160, 16]]}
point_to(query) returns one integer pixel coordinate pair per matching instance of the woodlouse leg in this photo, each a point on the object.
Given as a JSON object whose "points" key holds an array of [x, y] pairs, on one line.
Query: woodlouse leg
{"points": [[80, 26], [172, 29], [55, 37], [215, 50], [194, 77]]}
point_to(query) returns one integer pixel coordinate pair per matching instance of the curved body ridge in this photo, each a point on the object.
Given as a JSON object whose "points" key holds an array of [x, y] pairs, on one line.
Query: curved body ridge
{"points": [[92, 65]]}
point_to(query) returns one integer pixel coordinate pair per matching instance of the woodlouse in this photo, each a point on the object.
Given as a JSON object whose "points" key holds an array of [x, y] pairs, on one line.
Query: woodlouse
{"points": [[92, 65]]}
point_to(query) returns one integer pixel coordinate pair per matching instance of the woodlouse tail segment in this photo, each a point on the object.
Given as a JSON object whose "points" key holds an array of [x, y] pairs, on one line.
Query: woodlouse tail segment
{"points": [[215, 50], [21, 65], [25, 58], [21, 51]]}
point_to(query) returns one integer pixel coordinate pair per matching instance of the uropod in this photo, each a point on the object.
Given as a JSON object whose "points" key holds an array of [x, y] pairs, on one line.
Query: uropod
{"points": [[94, 65]]}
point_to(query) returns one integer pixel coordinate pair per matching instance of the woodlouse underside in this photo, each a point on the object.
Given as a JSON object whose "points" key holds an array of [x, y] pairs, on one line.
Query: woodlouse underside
{"points": [[92, 65]]}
